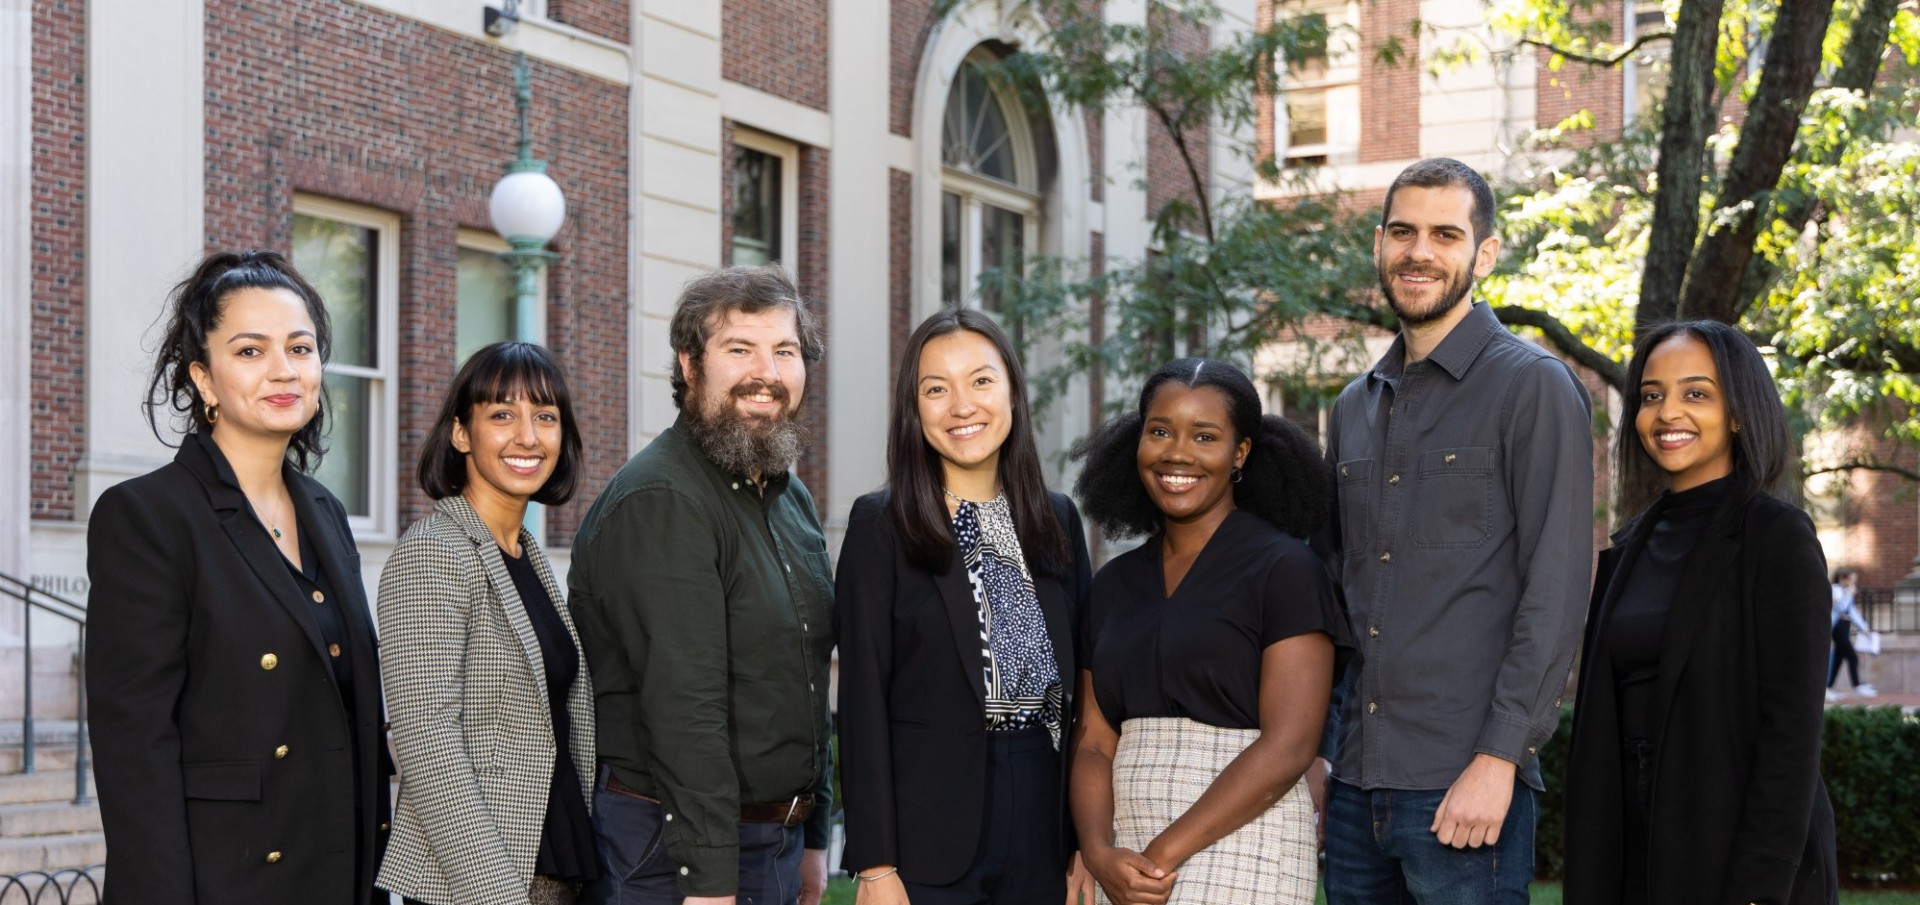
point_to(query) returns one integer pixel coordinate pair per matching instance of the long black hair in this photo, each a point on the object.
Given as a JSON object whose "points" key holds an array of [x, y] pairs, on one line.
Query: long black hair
{"points": [[194, 309], [502, 372], [1285, 480], [914, 473], [1760, 445]]}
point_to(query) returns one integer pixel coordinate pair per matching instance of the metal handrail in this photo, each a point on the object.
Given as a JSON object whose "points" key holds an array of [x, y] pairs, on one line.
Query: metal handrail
{"points": [[76, 613], [1886, 612]]}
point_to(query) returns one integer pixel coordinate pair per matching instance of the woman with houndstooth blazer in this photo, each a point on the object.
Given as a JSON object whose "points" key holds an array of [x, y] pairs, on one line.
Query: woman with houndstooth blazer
{"points": [[490, 706]]}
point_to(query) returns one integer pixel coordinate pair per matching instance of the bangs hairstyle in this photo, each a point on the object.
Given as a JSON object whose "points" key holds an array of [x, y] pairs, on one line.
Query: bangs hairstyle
{"points": [[194, 309], [1447, 173], [748, 290], [917, 479], [1286, 479], [1760, 447], [502, 372]]}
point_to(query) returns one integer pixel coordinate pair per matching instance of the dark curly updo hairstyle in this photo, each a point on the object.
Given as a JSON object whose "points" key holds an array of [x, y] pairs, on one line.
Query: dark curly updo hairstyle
{"points": [[502, 372], [194, 309], [1286, 480]]}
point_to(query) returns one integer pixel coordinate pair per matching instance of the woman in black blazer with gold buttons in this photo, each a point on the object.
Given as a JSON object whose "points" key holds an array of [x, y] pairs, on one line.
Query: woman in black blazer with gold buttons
{"points": [[232, 678], [956, 604]]}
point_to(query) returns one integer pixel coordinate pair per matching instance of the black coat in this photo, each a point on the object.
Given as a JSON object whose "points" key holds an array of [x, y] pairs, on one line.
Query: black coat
{"points": [[221, 745], [912, 712], [1739, 812]]}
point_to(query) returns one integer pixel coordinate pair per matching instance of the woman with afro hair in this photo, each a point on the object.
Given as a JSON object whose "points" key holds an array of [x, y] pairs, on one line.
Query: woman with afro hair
{"points": [[1212, 647]]}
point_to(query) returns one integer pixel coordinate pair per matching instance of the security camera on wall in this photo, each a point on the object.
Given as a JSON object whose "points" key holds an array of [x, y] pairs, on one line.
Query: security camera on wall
{"points": [[501, 21]]}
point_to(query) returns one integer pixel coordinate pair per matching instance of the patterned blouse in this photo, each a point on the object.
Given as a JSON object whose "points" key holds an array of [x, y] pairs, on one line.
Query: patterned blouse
{"points": [[1022, 677]]}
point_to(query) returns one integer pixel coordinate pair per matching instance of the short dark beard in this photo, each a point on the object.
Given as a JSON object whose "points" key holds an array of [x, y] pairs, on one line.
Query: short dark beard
{"points": [[1457, 290], [743, 444]]}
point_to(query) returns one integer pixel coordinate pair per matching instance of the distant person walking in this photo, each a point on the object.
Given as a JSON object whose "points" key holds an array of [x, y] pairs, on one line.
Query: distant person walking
{"points": [[1845, 618]]}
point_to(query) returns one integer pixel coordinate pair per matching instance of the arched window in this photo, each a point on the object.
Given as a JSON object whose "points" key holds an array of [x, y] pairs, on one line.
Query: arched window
{"points": [[990, 199]]}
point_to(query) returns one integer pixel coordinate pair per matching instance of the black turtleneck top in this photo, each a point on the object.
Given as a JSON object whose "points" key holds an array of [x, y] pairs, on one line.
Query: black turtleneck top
{"points": [[1641, 596]]}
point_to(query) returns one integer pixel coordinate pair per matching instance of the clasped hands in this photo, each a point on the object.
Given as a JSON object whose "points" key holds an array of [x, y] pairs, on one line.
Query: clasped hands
{"points": [[1130, 877]]}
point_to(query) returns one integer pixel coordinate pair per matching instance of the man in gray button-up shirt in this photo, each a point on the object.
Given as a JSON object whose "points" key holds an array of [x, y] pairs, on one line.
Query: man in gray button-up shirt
{"points": [[1463, 544]]}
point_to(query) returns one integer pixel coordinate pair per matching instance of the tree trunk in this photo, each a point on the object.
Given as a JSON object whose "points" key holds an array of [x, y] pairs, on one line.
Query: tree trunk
{"points": [[1686, 118], [1859, 66], [1712, 288]]}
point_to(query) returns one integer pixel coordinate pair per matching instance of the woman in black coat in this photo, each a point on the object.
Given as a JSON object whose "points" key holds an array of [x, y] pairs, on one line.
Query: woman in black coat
{"points": [[958, 591], [232, 677], [1694, 775]]}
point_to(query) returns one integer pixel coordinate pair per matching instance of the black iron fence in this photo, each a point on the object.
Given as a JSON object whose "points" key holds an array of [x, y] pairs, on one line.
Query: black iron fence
{"points": [[34, 600], [66, 886], [1886, 612]]}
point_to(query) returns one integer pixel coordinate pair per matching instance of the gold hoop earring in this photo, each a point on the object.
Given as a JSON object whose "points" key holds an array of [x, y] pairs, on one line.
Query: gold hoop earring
{"points": [[212, 411]]}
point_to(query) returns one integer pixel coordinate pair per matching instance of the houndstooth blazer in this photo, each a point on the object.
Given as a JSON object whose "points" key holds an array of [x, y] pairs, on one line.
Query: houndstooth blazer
{"points": [[467, 701]]}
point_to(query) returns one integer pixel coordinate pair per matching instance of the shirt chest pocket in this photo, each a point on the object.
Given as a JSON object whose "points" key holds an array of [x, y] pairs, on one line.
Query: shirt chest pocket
{"points": [[1453, 500], [1356, 504]]}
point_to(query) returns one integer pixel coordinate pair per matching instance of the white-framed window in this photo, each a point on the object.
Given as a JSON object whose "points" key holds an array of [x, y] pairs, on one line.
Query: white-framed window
{"points": [[351, 255], [486, 308], [990, 201], [765, 190], [1647, 73], [1316, 118]]}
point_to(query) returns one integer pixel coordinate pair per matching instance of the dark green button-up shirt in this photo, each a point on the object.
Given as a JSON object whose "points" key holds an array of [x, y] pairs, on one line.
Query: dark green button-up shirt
{"points": [[704, 604]]}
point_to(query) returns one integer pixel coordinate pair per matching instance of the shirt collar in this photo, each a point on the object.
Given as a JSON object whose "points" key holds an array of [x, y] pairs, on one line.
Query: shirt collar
{"points": [[1456, 352]]}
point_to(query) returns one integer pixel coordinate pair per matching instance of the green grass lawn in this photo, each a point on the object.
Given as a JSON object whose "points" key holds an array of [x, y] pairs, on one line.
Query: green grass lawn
{"points": [[840, 892]]}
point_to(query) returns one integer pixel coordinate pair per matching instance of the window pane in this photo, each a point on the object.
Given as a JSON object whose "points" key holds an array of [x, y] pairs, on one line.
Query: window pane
{"points": [[950, 237], [1002, 248], [756, 207], [1306, 116], [976, 136], [344, 470], [339, 260], [484, 293]]}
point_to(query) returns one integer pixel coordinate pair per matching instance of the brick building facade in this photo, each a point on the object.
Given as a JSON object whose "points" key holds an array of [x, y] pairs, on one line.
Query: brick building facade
{"points": [[686, 136]]}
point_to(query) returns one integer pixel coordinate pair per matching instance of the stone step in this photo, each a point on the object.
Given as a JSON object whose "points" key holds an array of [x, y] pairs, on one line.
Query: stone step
{"points": [[46, 786], [45, 853], [52, 818]]}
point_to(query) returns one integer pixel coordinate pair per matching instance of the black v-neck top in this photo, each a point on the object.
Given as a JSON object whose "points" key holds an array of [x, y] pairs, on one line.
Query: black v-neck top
{"points": [[566, 835], [1197, 653]]}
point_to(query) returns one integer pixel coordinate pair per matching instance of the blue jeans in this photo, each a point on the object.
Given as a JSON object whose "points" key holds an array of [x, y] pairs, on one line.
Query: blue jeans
{"points": [[635, 868], [1381, 852]]}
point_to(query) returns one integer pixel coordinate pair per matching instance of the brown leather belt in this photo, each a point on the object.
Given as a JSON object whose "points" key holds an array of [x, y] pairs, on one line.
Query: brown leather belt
{"points": [[792, 812]]}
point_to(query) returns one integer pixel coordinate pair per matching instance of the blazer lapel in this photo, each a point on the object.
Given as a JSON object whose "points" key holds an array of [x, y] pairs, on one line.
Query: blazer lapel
{"points": [[337, 556], [963, 612], [250, 539], [1705, 574], [461, 512]]}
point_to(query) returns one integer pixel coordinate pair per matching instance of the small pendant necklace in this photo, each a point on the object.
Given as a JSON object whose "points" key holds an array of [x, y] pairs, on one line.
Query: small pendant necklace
{"points": [[272, 522]]}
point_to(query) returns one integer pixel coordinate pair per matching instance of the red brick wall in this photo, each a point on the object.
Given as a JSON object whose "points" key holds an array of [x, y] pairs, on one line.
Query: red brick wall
{"points": [[348, 102], [776, 46], [1389, 92], [1576, 87], [912, 23], [1096, 158], [811, 270], [57, 430], [607, 18], [1167, 175], [1263, 116], [899, 266]]}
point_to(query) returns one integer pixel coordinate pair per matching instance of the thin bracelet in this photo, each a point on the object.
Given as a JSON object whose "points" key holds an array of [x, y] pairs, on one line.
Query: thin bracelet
{"points": [[863, 878]]}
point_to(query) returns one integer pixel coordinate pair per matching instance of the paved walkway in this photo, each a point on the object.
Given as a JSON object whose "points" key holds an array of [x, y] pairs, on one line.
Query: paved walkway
{"points": [[1909, 702]]}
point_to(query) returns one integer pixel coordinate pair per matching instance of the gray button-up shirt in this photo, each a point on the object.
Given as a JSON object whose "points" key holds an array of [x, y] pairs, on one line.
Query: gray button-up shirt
{"points": [[1463, 543]]}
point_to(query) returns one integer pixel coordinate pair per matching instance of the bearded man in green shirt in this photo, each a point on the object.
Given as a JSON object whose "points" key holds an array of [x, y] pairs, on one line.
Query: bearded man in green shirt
{"points": [[703, 594]]}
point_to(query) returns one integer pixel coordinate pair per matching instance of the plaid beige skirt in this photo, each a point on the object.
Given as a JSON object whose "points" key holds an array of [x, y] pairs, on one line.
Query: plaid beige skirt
{"points": [[1162, 766]]}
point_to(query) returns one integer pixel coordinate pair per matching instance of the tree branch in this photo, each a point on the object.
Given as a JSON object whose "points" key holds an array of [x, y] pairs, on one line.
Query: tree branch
{"points": [[1563, 340], [1907, 473], [1615, 60]]}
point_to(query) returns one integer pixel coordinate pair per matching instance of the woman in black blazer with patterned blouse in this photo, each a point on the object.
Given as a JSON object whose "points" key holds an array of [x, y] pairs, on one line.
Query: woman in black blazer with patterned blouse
{"points": [[491, 706], [956, 601], [232, 676]]}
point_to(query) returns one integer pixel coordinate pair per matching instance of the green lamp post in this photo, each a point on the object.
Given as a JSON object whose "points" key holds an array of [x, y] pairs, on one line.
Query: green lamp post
{"points": [[528, 209]]}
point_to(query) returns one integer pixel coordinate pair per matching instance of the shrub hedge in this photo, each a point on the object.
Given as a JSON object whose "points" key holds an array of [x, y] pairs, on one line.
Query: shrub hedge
{"points": [[1870, 757]]}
